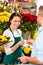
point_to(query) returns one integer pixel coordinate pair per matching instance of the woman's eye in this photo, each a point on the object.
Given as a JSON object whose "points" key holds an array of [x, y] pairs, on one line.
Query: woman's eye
{"points": [[15, 21]]}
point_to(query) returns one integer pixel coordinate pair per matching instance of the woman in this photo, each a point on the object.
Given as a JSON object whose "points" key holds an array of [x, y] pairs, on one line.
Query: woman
{"points": [[13, 49]]}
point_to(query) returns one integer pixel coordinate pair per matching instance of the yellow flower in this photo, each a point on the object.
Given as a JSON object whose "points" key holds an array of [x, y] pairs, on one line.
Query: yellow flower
{"points": [[1, 13], [2, 18], [4, 7], [5, 12], [27, 50], [3, 39], [6, 19], [8, 14], [35, 35]]}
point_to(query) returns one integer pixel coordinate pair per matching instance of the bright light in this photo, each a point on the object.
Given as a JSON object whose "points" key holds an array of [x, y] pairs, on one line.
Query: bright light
{"points": [[39, 3]]}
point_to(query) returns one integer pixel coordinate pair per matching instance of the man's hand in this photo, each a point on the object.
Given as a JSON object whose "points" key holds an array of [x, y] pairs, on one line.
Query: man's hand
{"points": [[23, 59], [30, 42]]}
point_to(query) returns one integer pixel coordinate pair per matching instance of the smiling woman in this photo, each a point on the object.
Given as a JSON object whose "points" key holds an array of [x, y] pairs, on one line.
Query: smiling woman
{"points": [[13, 49], [15, 22]]}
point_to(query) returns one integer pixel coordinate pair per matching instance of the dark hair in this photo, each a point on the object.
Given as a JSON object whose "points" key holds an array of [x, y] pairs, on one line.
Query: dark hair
{"points": [[14, 14], [40, 11], [41, 8]]}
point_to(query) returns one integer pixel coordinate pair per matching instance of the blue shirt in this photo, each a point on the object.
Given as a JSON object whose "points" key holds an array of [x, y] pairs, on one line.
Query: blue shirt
{"points": [[37, 50]]}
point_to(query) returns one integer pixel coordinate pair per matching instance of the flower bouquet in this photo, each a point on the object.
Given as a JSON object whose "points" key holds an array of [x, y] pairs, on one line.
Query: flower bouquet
{"points": [[27, 49], [4, 40]]}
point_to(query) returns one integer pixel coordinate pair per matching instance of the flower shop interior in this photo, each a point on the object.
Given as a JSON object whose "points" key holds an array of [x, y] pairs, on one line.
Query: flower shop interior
{"points": [[29, 26]]}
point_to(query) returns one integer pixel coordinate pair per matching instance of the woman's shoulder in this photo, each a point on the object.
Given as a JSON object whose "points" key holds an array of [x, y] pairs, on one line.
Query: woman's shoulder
{"points": [[6, 32]]}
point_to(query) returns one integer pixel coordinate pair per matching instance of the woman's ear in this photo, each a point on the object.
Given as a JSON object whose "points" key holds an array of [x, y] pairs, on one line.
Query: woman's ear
{"points": [[40, 18], [10, 22]]}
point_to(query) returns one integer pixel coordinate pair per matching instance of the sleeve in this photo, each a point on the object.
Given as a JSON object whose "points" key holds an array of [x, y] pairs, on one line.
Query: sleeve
{"points": [[8, 45], [39, 47], [8, 51]]}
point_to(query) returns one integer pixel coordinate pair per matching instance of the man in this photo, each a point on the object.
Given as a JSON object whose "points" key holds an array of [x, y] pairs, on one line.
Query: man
{"points": [[37, 51]]}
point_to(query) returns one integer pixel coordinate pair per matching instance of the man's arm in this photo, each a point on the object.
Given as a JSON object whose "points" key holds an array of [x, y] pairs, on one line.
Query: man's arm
{"points": [[32, 60]]}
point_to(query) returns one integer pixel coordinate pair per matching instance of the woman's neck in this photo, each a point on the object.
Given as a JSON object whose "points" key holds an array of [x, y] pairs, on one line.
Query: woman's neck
{"points": [[12, 28]]}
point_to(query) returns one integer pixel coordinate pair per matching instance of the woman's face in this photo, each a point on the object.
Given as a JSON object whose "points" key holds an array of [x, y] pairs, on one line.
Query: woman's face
{"points": [[15, 22]]}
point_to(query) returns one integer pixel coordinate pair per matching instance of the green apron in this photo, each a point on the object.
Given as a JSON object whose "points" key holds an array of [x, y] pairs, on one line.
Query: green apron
{"points": [[13, 58]]}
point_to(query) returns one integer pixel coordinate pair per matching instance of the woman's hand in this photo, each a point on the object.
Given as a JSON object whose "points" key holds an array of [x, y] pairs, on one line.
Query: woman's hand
{"points": [[30, 41], [21, 43], [23, 59]]}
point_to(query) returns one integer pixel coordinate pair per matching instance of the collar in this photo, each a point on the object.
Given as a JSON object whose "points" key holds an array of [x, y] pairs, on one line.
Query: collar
{"points": [[40, 29]]}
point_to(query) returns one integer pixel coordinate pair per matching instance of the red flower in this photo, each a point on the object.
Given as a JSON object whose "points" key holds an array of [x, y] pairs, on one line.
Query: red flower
{"points": [[29, 17]]}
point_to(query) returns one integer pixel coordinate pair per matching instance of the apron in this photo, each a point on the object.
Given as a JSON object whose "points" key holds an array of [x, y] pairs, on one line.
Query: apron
{"points": [[13, 58]]}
